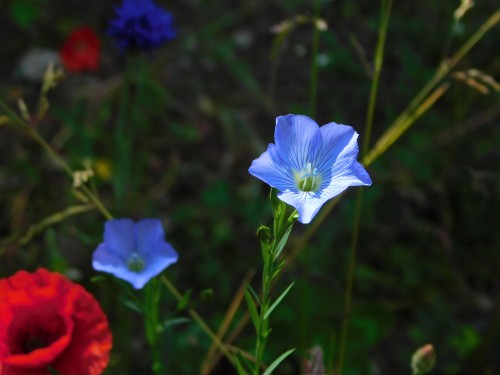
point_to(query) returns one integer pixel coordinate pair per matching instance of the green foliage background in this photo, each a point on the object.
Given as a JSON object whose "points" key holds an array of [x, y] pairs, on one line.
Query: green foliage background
{"points": [[205, 105]]}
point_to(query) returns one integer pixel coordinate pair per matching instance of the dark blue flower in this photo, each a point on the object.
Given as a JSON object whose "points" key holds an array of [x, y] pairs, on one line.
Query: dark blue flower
{"points": [[135, 252], [141, 24], [310, 164]]}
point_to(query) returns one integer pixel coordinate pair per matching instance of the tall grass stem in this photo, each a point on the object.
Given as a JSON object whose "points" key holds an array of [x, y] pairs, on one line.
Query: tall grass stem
{"points": [[313, 87], [386, 6]]}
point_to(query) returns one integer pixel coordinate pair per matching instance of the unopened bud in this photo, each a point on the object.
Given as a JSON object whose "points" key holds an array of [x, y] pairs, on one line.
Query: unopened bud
{"points": [[264, 233], [423, 360]]}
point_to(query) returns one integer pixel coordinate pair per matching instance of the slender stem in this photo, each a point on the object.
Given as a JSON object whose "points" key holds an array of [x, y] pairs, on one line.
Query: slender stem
{"points": [[379, 60], [260, 343], [272, 267], [396, 129], [313, 87], [56, 157], [97, 202], [350, 283], [197, 318], [386, 6], [383, 144]]}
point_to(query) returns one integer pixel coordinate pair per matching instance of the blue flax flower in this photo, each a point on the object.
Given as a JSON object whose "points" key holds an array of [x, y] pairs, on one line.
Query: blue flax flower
{"points": [[135, 252], [141, 24], [310, 164]]}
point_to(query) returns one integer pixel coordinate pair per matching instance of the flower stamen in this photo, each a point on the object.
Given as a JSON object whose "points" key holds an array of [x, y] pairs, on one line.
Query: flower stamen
{"points": [[135, 263], [308, 180]]}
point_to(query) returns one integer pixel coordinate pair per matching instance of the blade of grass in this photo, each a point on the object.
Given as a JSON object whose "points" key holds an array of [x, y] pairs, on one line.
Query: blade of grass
{"points": [[226, 322], [385, 11], [401, 124], [313, 88], [374, 153]]}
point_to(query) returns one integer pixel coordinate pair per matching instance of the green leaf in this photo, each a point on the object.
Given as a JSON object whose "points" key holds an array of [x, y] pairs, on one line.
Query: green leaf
{"points": [[277, 362], [168, 323], [184, 302], [100, 280], [252, 308], [240, 360], [276, 268], [254, 294], [278, 300], [282, 241], [131, 304], [278, 206]]}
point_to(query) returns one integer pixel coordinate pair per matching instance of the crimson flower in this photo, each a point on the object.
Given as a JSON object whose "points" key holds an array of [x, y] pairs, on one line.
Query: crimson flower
{"points": [[81, 51], [49, 323]]}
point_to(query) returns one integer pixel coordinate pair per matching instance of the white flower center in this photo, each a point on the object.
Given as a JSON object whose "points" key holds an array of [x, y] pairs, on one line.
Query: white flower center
{"points": [[308, 179], [135, 262]]}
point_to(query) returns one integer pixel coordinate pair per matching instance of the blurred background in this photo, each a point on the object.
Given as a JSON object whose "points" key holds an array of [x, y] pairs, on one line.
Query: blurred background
{"points": [[204, 106]]}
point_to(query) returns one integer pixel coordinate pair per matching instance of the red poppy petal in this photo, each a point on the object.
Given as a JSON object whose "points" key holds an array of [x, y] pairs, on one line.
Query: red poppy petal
{"points": [[71, 329]]}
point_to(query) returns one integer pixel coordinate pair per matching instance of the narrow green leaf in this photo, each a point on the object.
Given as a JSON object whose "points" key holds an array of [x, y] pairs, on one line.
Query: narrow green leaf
{"points": [[100, 280], [132, 305], [254, 294], [277, 204], [266, 251], [184, 302], [277, 362], [168, 323], [240, 361], [277, 267], [278, 300], [282, 241], [252, 309]]}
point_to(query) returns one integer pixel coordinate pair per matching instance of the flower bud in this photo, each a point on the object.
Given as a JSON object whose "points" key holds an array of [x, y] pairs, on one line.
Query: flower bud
{"points": [[264, 233], [423, 360]]}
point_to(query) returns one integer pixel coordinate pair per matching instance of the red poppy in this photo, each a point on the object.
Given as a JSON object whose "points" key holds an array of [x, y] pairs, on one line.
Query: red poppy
{"points": [[48, 322], [81, 50]]}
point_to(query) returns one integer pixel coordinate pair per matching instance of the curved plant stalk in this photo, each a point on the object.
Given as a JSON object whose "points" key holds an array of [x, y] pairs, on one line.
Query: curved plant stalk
{"points": [[423, 101], [385, 10]]}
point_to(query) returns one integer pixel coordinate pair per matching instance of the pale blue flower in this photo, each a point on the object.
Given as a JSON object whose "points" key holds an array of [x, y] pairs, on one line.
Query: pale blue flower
{"points": [[309, 164], [135, 252]]}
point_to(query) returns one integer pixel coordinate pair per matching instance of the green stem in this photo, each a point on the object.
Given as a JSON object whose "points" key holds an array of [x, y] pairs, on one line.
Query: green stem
{"points": [[379, 61], [313, 87], [201, 323], [386, 6], [272, 267], [55, 156], [262, 334], [400, 124], [152, 297]]}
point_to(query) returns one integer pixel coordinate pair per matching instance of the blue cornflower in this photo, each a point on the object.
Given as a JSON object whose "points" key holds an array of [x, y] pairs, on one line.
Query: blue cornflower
{"points": [[141, 24], [134, 252], [310, 164]]}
